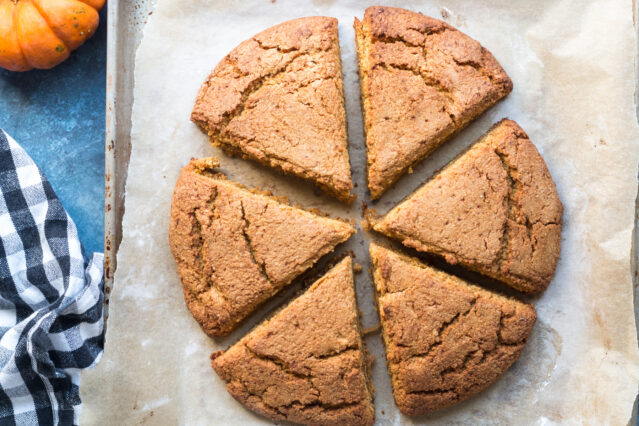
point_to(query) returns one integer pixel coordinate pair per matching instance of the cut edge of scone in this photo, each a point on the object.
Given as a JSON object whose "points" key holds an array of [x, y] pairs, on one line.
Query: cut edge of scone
{"points": [[413, 261], [208, 166], [376, 251], [363, 39], [222, 324], [362, 64], [338, 189], [520, 283], [217, 358], [344, 194]]}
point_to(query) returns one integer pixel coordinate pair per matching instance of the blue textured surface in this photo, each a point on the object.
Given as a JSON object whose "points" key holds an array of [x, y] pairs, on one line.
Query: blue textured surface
{"points": [[58, 117]]}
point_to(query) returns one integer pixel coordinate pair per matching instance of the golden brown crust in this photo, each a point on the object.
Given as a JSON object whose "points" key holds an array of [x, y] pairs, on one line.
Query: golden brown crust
{"points": [[278, 99], [495, 210], [446, 340], [307, 364], [235, 248], [421, 81]]}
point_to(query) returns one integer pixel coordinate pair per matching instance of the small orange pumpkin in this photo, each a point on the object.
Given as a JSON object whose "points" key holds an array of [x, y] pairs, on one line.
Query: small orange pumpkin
{"points": [[42, 33]]}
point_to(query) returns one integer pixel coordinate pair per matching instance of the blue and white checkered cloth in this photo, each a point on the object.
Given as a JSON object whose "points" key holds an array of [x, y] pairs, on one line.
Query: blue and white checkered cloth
{"points": [[51, 298]]}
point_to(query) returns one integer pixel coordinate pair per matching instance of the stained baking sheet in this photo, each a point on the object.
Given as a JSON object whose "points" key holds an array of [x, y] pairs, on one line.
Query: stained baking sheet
{"points": [[157, 394], [126, 20]]}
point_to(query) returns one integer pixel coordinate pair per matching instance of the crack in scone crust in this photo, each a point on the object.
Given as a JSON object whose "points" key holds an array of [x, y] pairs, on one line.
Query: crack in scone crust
{"points": [[244, 387], [289, 366], [236, 248], [421, 82], [290, 73], [446, 340], [494, 210], [249, 245]]}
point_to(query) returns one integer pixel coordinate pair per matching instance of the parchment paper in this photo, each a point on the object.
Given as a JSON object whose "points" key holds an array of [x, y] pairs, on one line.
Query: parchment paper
{"points": [[572, 64]]}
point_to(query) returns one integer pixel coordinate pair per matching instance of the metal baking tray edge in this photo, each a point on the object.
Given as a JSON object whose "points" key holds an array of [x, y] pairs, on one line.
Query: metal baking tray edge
{"points": [[125, 21]]}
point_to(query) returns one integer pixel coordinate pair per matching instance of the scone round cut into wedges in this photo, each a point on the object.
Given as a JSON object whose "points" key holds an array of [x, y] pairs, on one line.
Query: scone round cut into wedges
{"points": [[494, 210], [278, 99], [235, 248], [421, 82], [307, 364], [446, 340]]}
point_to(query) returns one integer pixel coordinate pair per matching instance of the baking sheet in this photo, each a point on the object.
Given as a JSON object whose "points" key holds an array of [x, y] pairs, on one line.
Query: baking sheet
{"points": [[125, 22], [581, 363]]}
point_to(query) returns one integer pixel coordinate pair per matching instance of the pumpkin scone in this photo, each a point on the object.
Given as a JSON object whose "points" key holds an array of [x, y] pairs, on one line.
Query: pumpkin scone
{"points": [[235, 248], [494, 210], [421, 81], [308, 363], [446, 340], [278, 99]]}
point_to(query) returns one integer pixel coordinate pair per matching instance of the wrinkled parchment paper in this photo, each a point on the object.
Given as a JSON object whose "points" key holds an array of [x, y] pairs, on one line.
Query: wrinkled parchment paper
{"points": [[572, 64]]}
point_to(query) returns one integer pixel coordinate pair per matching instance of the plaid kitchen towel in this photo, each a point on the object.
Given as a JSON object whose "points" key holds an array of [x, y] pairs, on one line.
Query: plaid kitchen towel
{"points": [[51, 298]]}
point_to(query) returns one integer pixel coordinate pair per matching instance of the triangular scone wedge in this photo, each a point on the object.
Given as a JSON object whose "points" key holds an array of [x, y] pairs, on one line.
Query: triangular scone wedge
{"points": [[308, 363], [278, 99], [421, 81], [446, 340], [494, 210], [235, 248]]}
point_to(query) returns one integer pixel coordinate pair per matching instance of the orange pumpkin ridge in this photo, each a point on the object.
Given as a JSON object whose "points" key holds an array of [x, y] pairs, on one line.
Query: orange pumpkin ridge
{"points": [[72, 21], [96, 4], [11, 56], [42, 33], [40, 46]]}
